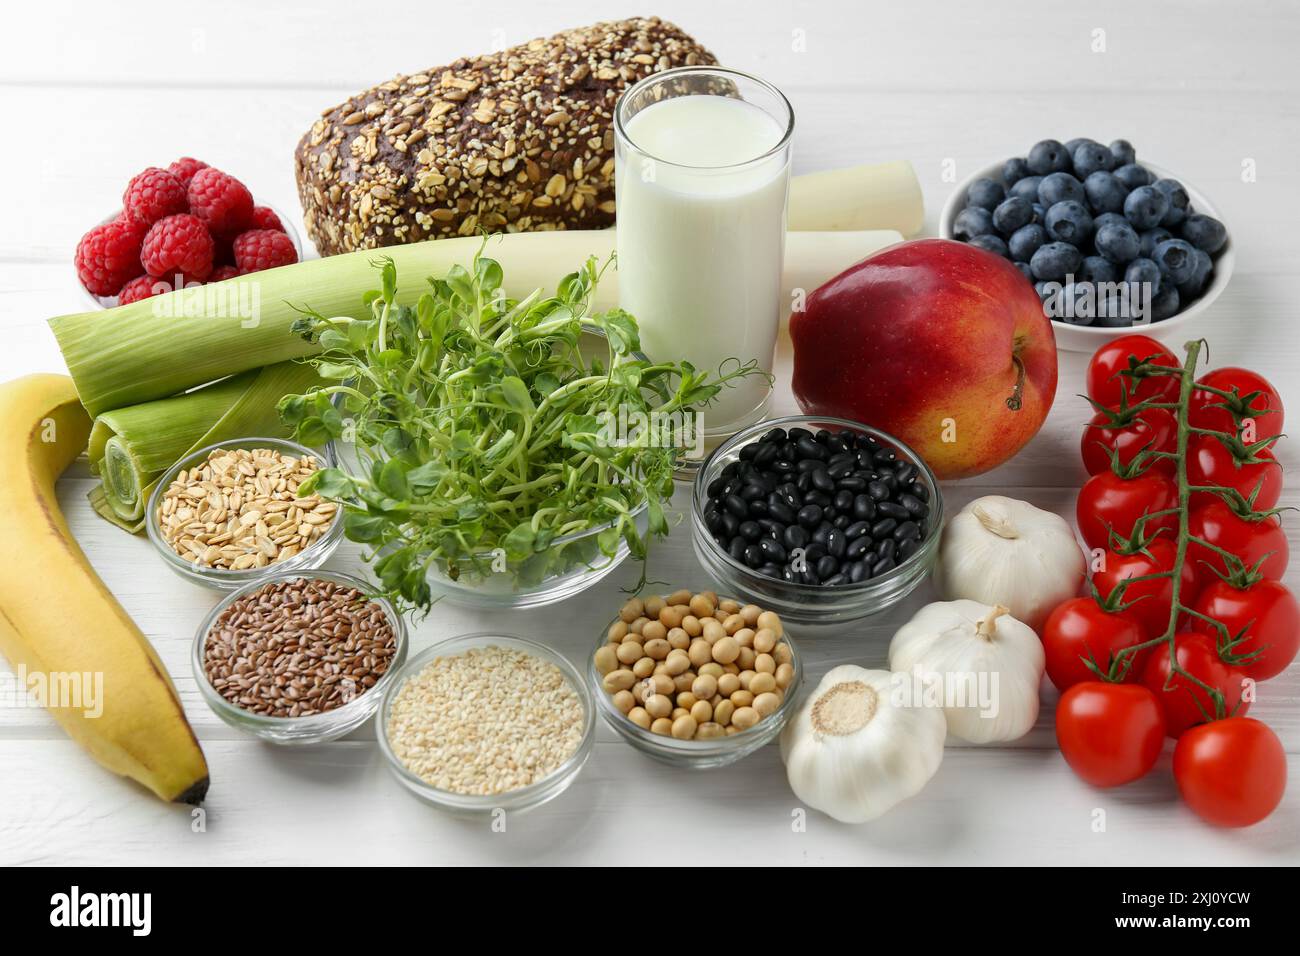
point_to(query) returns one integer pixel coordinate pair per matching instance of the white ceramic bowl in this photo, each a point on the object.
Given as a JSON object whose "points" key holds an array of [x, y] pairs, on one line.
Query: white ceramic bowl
{"points": [[1084, 338]]}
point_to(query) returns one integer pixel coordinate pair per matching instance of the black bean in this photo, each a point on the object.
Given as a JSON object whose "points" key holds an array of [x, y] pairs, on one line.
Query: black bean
{"points": [[841, 521], [787, 574], [730, 469], [713, 520], [852, 483], [809, 576], [748, 452], [779, 510], [814, 552], [835, 543], [810, 515], [890, 482], [918, 489], [771, 529], [807, 465], [858, 547], [883, 528], [857, 529], [883, 566], [840, 470], [766, 454], [859, 571], [863, 457], [716, 486], [794, 434], [811, 449], [770, 570], [819, 498], [824, 435], [752, 491], [886, 548], [758, 508], [914, 505], [822, 532], [822, 480], [750, 531], [737, 548], [907, 530], [795, 536], [736, 505], [906, 472], [804, 482], [826, 566], [843, 501], [884, 456], [835, 579], [864, 507], [773, 550], [754, 556], [775, 435], [878, 490], [783, 466], [730, 524], [908, 548], [892, 509]]}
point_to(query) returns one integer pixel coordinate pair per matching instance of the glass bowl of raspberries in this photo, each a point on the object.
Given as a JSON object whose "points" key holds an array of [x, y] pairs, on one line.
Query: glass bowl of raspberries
{"points": [[187, 225]]}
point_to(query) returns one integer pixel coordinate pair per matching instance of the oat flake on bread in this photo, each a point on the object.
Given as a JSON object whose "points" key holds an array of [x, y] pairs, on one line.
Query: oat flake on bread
{"points": [[519, 140]]}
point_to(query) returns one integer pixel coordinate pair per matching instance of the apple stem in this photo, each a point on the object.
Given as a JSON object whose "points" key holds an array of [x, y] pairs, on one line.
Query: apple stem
{"points": [[1017, 393]]}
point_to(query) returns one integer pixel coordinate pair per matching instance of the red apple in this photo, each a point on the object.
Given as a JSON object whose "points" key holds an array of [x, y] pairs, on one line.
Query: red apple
{"points": [[936, 342]]}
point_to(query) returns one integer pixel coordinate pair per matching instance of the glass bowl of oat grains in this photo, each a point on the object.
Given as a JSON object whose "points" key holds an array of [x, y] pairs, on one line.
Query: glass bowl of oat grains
{"points": [[301, 657], [485, 722]]}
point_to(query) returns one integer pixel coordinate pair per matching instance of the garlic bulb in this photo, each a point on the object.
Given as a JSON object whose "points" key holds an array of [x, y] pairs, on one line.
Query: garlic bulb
{"points": [[852, 752], [999, 550], [978, 663]]}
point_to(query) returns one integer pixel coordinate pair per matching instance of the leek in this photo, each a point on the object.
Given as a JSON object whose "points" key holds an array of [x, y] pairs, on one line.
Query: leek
{"points": [[131, 447]]}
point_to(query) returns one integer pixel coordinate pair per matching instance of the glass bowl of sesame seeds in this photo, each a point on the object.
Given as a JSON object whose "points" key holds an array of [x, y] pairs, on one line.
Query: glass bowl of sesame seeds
{"points": [[487, 722], [299, 658], [228, 515]]}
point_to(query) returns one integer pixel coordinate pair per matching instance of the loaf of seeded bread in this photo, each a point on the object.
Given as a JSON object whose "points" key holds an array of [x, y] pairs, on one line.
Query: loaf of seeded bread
{"points": [[520, 140]]}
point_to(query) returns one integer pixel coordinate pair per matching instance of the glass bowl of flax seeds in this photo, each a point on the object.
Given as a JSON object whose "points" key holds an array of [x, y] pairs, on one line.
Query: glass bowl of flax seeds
{"points": [[301, 657]]}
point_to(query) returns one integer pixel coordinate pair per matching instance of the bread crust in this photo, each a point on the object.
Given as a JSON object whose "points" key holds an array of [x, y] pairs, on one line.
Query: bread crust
{"points": [[520, 140]]}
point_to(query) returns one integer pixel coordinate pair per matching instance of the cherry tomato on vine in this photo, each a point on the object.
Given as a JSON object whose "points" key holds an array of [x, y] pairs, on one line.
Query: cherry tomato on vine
{"points": [[1109, 734], [1232, 772], [1210, 462], [1109, 502], [1080, 629], [1268, 614], [1204, 410], [1249, 539], [1152, 599], [1106, 385], [1153, 428], [1186, 704]]}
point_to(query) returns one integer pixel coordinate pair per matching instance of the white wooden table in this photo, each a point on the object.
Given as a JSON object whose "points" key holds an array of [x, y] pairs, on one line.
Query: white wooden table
{"points": [[90, 98]]}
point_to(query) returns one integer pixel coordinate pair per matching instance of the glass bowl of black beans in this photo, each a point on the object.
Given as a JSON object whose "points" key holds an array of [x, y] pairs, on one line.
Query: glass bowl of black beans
{"points": [[823, 520]]}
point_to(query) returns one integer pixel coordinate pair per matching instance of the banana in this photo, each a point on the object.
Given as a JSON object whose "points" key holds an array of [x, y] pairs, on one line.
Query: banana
{"points": [[58, 620]]}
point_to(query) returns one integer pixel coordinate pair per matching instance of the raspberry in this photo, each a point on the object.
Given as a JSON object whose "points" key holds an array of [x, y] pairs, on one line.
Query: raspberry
{"points": [[153, 194], [142, 287], [260, 249], [264, 217], [185, 168], [221, 273], [223, 203], [108, 257], [178, 243]]}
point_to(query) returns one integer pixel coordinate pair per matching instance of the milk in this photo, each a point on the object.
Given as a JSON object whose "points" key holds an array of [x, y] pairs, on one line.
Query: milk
{"points": [[701, 237]]}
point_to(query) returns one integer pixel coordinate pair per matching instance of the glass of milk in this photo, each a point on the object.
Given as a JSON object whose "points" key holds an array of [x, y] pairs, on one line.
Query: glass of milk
{"points": [[702, 169]]}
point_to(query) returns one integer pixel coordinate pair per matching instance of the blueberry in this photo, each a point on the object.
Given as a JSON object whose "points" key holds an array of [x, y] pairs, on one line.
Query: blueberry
{"points": [[1014, 170], [1097, 269], [1145, 207], [985, 193], [1124, 153], [1112, 309], [1046, 290], [1205, 232], [1069, 221], [1165, 304], [1117, 242], [1152, 238], [1024, 270], [1048, 156], [1026, 188], [1089, 158], [1040, 213], [1055, 260], [1011, 214], [990, 243], [1072, 144], [1058, 187], [1024, 242], [1105, 193], [971, 222], [1145, 272], [1194, 286], [1176, 259], [1132, 176], [1179, 204], [1108, 217], [1071, 304]]}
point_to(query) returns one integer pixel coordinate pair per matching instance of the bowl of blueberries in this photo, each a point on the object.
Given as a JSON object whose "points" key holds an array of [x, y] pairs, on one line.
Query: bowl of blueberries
{"points": [[1109, 243], [823, 520]]}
